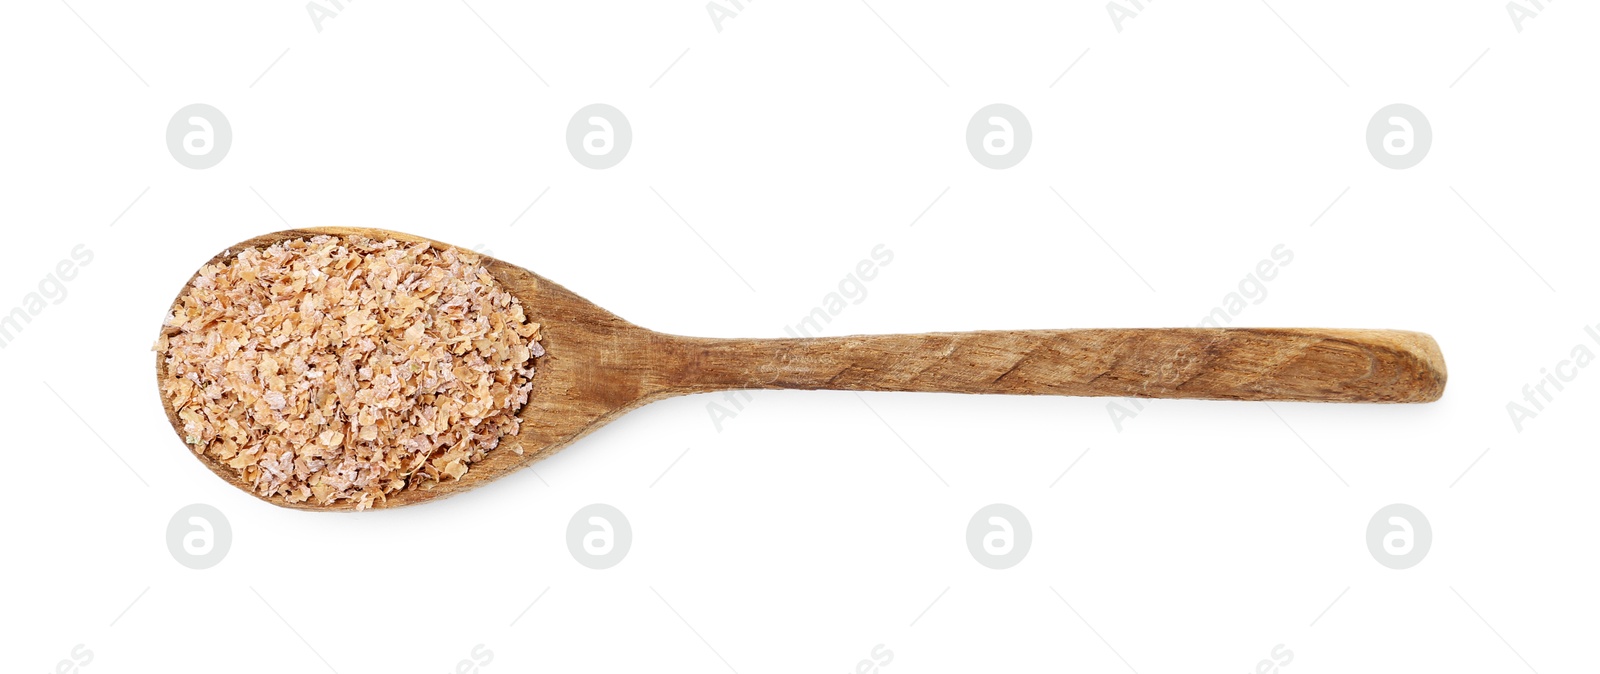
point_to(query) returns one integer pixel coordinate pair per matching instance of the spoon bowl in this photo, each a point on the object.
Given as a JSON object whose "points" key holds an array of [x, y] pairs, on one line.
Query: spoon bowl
{"points": [[597, 366]]}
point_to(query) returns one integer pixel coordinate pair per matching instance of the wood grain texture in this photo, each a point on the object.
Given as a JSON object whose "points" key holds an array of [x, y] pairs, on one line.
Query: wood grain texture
{"points": [[598, 366], [1218, 364]]}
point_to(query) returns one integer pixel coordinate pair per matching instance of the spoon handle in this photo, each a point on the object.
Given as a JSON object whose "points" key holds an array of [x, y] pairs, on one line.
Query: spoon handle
{"points": [[1330, 365]]}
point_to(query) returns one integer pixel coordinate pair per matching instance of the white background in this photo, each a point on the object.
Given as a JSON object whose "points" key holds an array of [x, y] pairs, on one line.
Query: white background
{"points": [[804, 532]]}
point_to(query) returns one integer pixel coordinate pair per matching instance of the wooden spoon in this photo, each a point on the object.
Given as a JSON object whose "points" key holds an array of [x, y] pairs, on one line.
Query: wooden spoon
{"points": [[597, 366]]}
